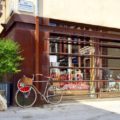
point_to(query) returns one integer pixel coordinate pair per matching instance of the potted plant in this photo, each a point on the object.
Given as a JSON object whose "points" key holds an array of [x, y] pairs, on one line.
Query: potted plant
{"points": [[10, 59]]}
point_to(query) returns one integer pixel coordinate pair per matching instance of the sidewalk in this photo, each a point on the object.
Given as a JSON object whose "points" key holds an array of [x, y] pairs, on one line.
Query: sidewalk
{"points": [[97, 109]]}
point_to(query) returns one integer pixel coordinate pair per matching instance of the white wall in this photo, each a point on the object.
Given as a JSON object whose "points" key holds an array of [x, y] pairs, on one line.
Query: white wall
{"points": [[97, 12], [2, 18]]}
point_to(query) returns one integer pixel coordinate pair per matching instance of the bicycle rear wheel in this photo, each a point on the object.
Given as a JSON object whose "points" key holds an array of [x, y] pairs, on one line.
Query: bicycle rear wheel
{"points": [[54, 95], [26, 99]]}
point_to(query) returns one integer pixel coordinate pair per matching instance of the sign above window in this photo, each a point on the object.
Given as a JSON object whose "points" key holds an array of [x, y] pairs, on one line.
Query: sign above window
{"points": [[26, 6]]}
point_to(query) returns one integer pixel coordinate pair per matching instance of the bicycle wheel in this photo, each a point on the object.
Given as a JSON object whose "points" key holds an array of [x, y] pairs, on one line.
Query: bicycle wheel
{"points": [[54, 95], [26, 99]]}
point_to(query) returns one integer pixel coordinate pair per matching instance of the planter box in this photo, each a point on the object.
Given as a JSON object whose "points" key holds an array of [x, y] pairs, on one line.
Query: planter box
{"points": [[6, 90], [109, 94]]}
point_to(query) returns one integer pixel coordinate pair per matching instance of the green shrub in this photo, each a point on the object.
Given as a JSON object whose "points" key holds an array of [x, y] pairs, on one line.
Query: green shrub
{"points": [[9, 57]]}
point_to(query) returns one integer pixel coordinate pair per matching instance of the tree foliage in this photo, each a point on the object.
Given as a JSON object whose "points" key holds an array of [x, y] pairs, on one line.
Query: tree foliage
{"points": [[9, 56]]}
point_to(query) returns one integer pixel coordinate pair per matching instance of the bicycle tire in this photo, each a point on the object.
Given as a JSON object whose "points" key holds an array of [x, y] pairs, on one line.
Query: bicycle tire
{"points": [[26, 99], [54, 95]]}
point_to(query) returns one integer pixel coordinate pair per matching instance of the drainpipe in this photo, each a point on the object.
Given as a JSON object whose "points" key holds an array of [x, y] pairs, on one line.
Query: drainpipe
{"points": [[37, 58]]}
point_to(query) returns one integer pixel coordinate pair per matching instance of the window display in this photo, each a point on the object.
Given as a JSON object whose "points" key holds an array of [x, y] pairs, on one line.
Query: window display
{"points": [[80, 62]]}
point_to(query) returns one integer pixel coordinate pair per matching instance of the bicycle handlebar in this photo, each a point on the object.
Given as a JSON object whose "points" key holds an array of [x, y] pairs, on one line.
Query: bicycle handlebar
{"points": [[41, 75]]}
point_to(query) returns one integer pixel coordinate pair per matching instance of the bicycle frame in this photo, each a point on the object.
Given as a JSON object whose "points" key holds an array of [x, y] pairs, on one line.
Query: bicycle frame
{"points": [[40, 93], [43, 95]]}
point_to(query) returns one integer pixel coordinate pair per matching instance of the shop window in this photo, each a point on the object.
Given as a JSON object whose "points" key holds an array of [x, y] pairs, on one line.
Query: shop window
{"points": [[81, 58]]}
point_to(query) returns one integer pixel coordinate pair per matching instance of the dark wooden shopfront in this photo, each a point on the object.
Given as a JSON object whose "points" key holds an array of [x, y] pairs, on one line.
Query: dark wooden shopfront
{"points": [[56, 37]]}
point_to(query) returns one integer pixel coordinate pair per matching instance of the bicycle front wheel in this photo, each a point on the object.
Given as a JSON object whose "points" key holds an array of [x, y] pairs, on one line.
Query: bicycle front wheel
{"points": [[54, 95], [26, 99]]}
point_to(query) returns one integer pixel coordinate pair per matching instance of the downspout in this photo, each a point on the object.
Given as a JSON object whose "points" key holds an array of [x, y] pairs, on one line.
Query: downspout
{"points": [[37, 57]]}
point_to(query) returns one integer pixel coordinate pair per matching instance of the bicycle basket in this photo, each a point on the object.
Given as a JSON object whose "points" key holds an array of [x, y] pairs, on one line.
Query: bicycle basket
{"points": [[26, 80]]}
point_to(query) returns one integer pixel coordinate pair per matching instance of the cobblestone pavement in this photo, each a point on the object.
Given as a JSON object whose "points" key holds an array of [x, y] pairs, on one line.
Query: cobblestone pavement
{"points": [[97, 109]]}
